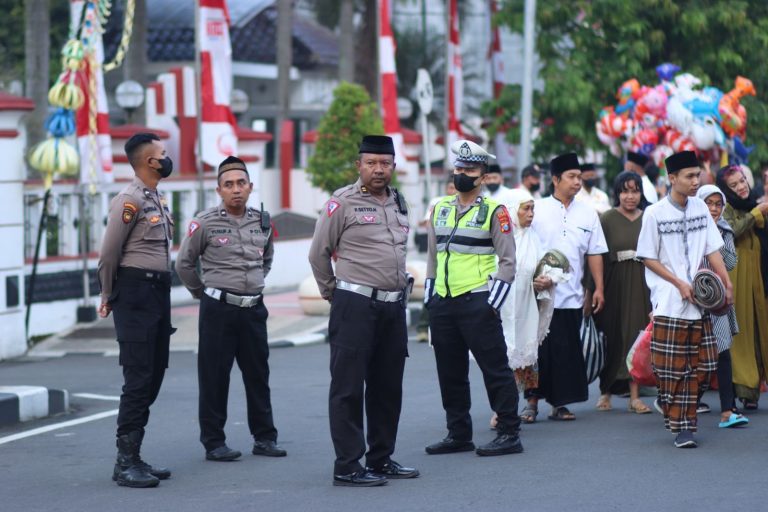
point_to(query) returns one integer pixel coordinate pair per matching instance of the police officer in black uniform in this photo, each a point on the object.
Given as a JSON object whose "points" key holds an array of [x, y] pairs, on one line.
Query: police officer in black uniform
{"points": [[234, 245], [366, 226], [135, 278]]}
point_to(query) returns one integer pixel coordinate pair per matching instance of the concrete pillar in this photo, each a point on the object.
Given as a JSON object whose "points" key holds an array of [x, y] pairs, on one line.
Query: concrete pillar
{"points": [[13, 340]]}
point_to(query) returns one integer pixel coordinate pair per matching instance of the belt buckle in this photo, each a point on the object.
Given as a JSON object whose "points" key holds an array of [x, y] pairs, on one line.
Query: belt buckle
{"points": [[247, 302]]}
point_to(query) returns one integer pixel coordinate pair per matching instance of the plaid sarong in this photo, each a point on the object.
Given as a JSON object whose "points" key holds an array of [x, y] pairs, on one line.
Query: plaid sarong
{"points": [[683, 354]]}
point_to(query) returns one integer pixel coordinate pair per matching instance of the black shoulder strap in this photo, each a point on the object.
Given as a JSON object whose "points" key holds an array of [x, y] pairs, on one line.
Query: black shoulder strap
{"points": [[400, 200]]}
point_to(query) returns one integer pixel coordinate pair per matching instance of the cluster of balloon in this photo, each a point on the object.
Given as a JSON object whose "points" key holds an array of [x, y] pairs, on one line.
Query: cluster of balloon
{"points": [[677, 114]]}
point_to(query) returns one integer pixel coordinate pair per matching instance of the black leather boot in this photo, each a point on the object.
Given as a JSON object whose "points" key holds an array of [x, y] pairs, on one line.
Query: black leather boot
{"points": [[127, 470], [159, 473]]}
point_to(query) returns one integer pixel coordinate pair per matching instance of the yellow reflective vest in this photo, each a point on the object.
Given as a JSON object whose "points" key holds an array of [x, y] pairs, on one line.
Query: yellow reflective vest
{"points": [[465, 252]]}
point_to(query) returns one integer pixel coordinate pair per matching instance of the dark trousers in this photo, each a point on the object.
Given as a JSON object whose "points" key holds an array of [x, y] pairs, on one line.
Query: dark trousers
{"points": [[369, 344], [142, 314], [460, 324], [229, 333], [725, 381]]}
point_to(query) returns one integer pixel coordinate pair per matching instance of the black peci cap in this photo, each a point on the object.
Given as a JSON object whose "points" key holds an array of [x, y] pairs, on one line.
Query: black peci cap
{"points": [[377, 145], [680, 161], [637, 158], [587, 167], [562, 163], [494, 168], [531, 170], [232, 163]]}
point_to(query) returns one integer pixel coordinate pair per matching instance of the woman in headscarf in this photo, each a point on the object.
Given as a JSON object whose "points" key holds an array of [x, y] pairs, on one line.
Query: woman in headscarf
{"points": [[749, 351], [627, 298], [520, 313], [725, 325]]}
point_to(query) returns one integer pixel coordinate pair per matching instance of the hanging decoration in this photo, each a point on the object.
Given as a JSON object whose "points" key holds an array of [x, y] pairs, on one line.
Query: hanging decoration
{"points": [[79, 89]]}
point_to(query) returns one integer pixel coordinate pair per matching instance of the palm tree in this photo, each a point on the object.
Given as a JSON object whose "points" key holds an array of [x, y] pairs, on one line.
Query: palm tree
{"points": [[37, 26]]}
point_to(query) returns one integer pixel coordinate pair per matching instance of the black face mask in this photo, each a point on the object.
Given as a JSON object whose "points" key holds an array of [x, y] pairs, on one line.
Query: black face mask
{"points": [[464, 183], [535, 187], [493, 187], [166, 167], [590, 182]]}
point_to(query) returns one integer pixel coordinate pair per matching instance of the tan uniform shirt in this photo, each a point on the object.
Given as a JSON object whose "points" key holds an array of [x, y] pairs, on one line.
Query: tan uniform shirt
{"points": [[235, 253], [503, 243], [138, 234], [369, 239]]}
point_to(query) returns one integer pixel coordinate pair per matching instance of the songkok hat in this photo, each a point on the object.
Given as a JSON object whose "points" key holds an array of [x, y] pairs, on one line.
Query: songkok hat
{"points": [[232, 163], [587, 167], [377, 145], [637, 158], [494, 168], [562, 163], [469, 154], [681, 160]]}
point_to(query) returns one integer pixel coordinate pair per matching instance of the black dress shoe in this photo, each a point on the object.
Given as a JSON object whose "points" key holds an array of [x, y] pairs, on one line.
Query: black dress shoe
{"points": [[360, 478], [222, 454], [450, 445], [502, 445], [268, 448], [394, 470]]}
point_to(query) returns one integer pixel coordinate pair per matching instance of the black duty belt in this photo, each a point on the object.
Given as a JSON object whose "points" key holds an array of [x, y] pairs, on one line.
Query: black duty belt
{"points": [[141, 274]]}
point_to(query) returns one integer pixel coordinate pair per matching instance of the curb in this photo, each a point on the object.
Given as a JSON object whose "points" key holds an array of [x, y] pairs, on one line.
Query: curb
{"points": [[25, 403]]}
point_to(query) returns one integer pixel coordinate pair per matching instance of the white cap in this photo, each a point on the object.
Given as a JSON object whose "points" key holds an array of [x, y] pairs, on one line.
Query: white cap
{"points": [[469, 154]]}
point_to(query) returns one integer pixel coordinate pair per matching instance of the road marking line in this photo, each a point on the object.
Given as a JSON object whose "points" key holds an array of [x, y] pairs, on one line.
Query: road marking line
{"points": [[97, 397], [57, 426]]}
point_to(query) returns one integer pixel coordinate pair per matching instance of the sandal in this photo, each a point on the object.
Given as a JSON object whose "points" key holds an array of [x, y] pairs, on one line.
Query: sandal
{"points": [[637, 406], [528, 414], [604, 403], [561, 414]]}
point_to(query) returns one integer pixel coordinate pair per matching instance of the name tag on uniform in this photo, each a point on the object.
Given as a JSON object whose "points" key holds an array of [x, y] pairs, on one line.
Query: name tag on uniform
{"points": [[369, 219]]}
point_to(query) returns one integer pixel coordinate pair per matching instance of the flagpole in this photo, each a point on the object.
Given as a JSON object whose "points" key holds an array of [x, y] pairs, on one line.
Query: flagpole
{"points": [[448, 98], [199, 103]]}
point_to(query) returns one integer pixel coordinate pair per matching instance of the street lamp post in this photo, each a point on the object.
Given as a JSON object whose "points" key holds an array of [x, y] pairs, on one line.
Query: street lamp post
{"points": [[129, 96]]}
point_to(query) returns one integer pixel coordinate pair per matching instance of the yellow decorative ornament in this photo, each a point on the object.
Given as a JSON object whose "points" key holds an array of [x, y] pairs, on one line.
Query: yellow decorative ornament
{"points": [[54, 156], [72, 55], [66, 94]]}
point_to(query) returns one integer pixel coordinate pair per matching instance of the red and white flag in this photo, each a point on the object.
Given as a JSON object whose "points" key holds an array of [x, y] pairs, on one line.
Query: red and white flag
{"points": [[388, 81], [505, 153], [218, 131], [93, 139], [455, 78]]}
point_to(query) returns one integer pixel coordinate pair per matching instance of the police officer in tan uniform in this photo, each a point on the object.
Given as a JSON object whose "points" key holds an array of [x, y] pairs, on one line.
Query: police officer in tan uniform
{"points": [[464, 291], [135, 277], [234, 245], [365, 225]]}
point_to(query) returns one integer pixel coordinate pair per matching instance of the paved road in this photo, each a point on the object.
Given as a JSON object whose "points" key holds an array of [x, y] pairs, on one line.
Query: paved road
{"points": [[602, 461]]}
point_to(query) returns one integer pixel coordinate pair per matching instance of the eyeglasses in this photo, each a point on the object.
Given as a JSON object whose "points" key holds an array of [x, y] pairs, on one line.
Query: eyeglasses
{"points": [[716, 204]]}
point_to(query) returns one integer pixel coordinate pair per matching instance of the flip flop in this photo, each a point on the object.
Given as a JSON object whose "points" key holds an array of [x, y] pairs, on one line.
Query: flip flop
{"points": [[734, 420], [749, 405], [561, 414], [640, 408]]}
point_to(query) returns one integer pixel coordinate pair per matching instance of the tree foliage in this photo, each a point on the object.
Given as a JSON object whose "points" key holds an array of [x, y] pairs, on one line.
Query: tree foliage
{"points": [[351, 115], [588, 48], [12, 38]]}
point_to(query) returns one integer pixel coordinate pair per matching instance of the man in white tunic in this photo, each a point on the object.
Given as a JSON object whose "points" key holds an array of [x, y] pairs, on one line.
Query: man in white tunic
{"points": [[572, 228], [677, 234]]}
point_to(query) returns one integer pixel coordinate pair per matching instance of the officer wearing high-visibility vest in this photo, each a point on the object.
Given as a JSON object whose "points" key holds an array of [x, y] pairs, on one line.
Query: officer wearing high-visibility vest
{"points": [[464, 290]]}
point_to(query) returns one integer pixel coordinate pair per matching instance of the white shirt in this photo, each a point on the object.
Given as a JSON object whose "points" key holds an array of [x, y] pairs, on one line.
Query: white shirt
{"points": [[595, 198], [501, 195], [575, 231], [649, 191], [678, 237]]}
